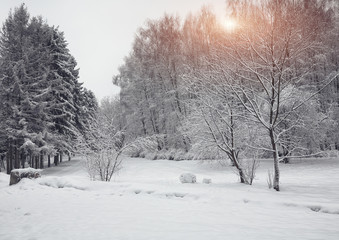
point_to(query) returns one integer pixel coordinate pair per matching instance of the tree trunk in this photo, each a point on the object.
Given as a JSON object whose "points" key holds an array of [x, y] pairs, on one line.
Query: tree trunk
{"points": [[235, 162], [2, 162], [9, 159], [16, 156], [242, 176], [36, 158], [49, 160], [31, 162], [275, 161], [23, 160], [185, 143], [69, 157], [61, 157], [56, 159], [41, 161]]}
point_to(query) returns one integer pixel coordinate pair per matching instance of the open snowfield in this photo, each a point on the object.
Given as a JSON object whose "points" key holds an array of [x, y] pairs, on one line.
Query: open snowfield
{"points": [[147, 201]]}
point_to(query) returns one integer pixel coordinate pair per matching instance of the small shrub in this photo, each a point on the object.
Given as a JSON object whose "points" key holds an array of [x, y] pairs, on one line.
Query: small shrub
{"points": [[179, 155], [150, 155], [162, 156], [142, 154], [189, 156], [103, 164], [170, 155], [250, 168]]}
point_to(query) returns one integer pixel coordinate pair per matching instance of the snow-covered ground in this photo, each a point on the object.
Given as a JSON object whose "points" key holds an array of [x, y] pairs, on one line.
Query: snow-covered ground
{"points": [[147, 201]]}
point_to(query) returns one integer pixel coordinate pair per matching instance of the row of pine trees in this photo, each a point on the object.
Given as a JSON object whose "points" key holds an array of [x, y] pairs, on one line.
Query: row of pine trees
{"points": [[43, 106]]}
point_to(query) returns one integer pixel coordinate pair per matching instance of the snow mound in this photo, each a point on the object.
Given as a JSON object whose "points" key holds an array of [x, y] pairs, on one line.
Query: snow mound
{"points": [[59, 182], [188, 178], [207, 181]]}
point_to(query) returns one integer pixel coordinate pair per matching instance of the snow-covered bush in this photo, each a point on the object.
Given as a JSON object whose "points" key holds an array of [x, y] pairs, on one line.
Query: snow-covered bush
{"points": [[106, 160], [142, 154], [188, 178], [182, 155], [176, 155], [329, 154]]}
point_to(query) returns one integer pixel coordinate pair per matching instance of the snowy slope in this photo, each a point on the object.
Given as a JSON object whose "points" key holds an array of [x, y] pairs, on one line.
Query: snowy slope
{"points": [[147, 201]]}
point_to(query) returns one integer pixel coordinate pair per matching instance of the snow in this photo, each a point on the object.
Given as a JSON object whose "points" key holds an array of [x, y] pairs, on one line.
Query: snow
{"points": [[188, 178], [27, 170], [147, 201], [207, 180]]}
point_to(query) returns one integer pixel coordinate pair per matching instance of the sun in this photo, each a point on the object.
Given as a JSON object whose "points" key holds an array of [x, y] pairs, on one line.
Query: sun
{"points": [[230, 24]]}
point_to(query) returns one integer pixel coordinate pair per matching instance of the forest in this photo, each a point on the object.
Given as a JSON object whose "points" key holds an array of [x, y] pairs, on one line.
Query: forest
{"points": [[43, 106], [265, 86]]}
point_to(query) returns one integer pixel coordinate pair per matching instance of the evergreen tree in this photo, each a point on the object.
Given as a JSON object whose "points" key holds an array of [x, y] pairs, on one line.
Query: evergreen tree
{"points": [[43, 108], [62, 78], [13, 49]]}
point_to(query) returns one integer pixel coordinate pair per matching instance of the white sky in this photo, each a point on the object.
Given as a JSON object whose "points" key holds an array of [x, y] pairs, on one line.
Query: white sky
{"points": [[100, 32]]}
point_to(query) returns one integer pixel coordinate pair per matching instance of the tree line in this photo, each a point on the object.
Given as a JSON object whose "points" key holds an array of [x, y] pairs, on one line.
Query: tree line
{"points": [[43, 107], [267, 88]]}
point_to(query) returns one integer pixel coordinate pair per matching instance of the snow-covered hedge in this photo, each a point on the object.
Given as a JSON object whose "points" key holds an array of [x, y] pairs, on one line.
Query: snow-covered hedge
{"points": [[188, 178], [18, 174]]}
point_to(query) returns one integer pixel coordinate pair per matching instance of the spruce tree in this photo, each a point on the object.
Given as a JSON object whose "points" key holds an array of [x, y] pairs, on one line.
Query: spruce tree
{"points": [[62, 78], [43, 107], [13, 46]]}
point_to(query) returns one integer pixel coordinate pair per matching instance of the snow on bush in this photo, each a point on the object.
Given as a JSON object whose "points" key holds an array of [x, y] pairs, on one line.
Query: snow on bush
{"points": [[188, 178], [330, 154]]}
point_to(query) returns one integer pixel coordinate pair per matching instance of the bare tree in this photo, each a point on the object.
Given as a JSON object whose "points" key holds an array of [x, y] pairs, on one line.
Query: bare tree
{"points": [[150, 83], [216, 117], [275, 47]]}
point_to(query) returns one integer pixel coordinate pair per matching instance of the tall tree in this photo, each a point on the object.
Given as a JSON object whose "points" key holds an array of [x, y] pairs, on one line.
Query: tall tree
{"points": [[13, 49], [150, 82], [63, 80], [271, 51], [42, 102]]}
